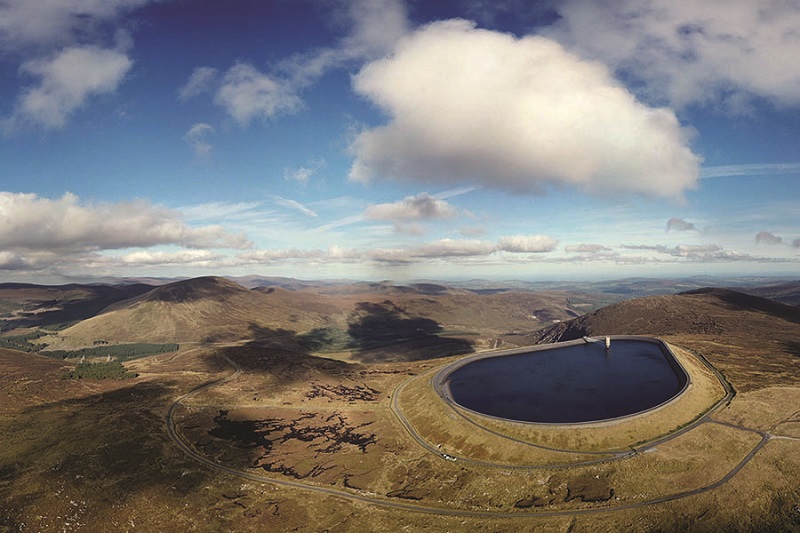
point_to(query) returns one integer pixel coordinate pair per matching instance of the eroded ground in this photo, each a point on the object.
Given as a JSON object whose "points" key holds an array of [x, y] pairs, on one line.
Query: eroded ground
{"points": [[294, 442]]}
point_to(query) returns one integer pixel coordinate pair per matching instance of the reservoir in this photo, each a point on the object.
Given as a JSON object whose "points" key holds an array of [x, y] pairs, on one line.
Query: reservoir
{"points": [[569, 382]]}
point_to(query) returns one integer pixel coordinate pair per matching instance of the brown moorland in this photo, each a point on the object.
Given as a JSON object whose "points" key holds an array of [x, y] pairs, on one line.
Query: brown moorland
{"points": [[280, 429], [214, 309]]}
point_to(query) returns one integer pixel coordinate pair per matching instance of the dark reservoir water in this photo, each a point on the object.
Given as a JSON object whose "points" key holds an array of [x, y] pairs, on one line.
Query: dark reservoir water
{"points": [[577, 383]]}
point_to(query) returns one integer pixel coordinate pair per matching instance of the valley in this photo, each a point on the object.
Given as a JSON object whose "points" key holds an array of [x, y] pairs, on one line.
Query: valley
{"points": [[312, 408]]}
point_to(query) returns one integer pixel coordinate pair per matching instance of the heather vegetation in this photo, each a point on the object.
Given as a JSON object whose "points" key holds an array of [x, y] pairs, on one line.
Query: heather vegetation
{"points": [[313, 409]]}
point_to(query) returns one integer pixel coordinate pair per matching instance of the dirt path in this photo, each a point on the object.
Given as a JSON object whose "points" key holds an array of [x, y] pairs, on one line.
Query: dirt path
{"points": [[175, 436]]}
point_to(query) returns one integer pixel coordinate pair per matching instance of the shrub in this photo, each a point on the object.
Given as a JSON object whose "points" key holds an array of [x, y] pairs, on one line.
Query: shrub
{"points": [[112, 370]]}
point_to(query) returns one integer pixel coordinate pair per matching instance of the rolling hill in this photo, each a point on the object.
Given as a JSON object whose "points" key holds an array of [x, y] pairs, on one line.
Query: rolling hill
{"points": [[753, 340], [300, 441], [199, 309], [215, 309], [703, 311], [27, 305]]}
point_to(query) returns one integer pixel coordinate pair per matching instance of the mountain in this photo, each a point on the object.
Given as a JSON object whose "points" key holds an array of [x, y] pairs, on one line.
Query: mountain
{"points": [[703, 311], [218, 309], [199, 309], [753, 341], [787, 292], [351, 316], [25, 305]]}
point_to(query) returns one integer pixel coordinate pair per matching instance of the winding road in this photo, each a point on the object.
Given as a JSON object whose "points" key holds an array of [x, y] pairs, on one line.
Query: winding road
{"points": [[176, 437]]}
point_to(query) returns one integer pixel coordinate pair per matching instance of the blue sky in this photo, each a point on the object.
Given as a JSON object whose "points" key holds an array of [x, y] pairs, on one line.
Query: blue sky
{"points": [[382, 139]]}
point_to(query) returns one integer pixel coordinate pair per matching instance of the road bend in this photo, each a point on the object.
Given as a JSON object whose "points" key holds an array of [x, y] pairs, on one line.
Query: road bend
{"points": [[176, 437]]}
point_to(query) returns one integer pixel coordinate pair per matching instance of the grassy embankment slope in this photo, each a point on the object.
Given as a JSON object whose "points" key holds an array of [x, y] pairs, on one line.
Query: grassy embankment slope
{"points": [[83, 455]]}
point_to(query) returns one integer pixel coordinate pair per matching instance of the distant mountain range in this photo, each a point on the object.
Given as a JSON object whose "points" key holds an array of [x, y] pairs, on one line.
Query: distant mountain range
{"points": [[341, 315], [216, 309], [786, 290]]}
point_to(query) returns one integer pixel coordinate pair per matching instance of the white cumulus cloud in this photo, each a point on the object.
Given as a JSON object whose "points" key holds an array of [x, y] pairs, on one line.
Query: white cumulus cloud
{"points": [[679, 224], [65, 82], [182, 257], [13, 261], [25, 23], [586, 248], [765, 237], [464, 249], [373, 27], [419, 207], [197, 138], [699, 51], [303, 174], [29, 223], [527, 244], [466, 104], [203, 79], [246, 94]]}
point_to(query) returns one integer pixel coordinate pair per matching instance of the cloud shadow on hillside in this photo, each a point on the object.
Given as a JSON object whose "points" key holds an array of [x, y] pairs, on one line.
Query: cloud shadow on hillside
{"points": [[739, 301], [793, 347], [284, 354], [383, 332], [60, 312], [107, 448]]}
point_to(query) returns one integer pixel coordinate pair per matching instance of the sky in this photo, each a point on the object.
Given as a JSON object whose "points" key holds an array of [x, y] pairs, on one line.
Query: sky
{"points": [[401, 140]]}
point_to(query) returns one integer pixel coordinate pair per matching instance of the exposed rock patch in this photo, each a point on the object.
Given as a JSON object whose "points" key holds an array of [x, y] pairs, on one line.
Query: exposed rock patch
{"points": [[355, 393], [588, 488]]}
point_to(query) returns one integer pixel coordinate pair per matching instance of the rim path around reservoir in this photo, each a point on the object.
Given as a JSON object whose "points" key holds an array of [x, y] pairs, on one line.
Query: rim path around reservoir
{"points": [[175, 436]]}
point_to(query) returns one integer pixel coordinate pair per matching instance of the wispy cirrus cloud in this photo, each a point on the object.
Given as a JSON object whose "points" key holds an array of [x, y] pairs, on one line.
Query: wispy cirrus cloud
{"points": [[458, 191], [294, 204], [773, 169], [342, 222], [215, 211]]}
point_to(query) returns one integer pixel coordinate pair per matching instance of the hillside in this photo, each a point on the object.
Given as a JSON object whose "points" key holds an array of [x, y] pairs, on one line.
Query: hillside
{"points": [[788, 292], [26, 305], [200, 309], [340, 317], [311, 443], [702, 311], [754, 341]]}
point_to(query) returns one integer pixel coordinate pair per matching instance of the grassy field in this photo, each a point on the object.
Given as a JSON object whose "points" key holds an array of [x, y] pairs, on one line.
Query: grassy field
{"points": [[92, 456], [284, 431]]}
